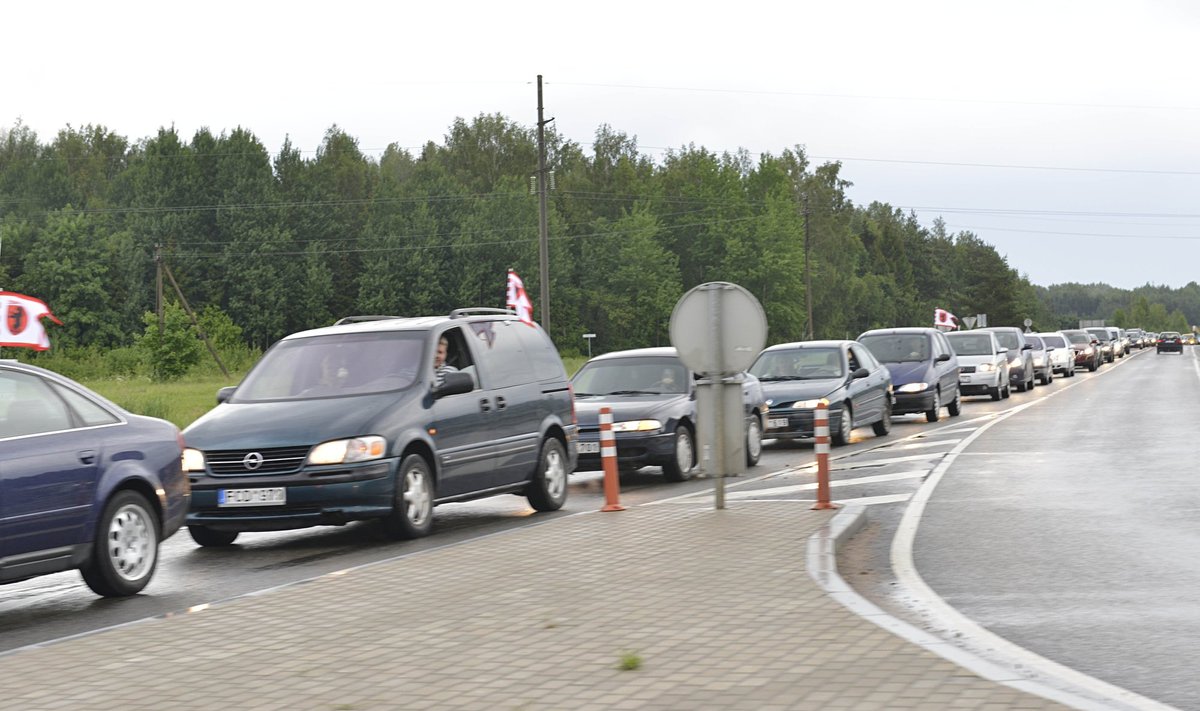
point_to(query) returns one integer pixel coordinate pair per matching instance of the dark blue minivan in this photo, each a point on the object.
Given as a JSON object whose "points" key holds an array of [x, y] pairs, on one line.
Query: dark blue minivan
{"points": [[353, 421]]}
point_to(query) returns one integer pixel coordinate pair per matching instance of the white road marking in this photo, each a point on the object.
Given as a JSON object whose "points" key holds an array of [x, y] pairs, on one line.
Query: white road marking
{"points": [[776, 490], [922, 445], [889, 460], [863, 501]]}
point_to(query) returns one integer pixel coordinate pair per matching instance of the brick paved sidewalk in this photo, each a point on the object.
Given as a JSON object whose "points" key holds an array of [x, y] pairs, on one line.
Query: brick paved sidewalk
{"points": [[717, 605]]}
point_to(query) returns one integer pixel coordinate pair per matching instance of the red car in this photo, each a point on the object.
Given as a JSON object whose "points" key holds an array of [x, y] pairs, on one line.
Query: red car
{"points": [[1087, 349]]}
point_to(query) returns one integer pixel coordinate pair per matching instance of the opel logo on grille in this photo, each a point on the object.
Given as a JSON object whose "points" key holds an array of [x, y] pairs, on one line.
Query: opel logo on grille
{"points": [[252, 461]]}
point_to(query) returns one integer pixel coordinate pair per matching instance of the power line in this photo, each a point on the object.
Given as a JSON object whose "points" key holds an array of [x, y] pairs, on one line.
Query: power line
{"points": [[940, 99]]}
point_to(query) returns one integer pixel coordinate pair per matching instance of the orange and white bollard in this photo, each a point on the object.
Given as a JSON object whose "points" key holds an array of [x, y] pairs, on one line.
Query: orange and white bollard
{"points": [[821, 433], [608, 456]]}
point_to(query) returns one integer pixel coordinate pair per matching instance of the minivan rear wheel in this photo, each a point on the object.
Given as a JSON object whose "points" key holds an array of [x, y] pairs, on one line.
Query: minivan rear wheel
{"points": [[547, 491], [412, 508]]}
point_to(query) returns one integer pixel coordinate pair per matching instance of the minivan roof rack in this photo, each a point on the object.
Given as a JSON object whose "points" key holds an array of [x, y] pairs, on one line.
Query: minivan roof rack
{"points": [[360, 319], [460, 313]]}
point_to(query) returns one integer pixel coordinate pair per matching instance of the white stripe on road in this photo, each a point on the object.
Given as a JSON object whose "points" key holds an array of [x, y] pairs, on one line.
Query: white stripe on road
{"points": [[889, 460], [922, 445], [863, 501], [776, 490]]}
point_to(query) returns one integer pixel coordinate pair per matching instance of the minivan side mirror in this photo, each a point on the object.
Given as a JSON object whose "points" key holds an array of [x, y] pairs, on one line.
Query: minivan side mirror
{"points": [[454, 384], [942, 358], [1027, 347], [860, 373], [225, 393], [1002, 350]]}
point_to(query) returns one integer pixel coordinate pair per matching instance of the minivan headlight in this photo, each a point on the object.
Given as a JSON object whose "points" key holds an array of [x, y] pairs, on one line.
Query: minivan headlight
{"points": [[912, 388], [985, 367], [637, 426], [345, 451], [193, 460]]}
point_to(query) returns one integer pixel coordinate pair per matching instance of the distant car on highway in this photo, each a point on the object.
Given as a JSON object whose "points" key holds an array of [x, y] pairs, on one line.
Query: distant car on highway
{"points": [[1062, 356], [1117, 337], [1043, 368], [796, 377], [923, 366], [1169, 342], [652, 395], [1106, 345], [982, 363], [84, 484], [1086, 347], [1020, 356]]}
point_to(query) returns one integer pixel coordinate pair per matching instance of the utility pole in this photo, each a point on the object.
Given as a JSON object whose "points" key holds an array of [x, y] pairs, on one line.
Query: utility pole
{"points": [[808, 326], [543, 230], [158, 288]]}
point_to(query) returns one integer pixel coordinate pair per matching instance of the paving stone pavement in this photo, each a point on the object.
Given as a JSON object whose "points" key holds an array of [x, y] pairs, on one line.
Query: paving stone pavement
{"points": [[717, 605]]}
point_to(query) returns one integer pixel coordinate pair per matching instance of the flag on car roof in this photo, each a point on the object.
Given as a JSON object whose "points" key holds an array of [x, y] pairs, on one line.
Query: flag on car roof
{"points": [[944, 319], [517, 299], [21, 324]]}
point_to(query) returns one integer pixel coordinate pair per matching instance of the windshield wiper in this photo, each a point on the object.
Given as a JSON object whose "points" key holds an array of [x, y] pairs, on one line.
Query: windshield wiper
{"points": [[774, 378], [633, 392]]}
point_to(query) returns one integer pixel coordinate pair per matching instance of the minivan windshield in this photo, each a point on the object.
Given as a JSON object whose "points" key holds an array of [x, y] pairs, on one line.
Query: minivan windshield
{"points": [[637, 375], [1078, 337], [798, 364], [971, 344], [335, 365], [898, 347]]}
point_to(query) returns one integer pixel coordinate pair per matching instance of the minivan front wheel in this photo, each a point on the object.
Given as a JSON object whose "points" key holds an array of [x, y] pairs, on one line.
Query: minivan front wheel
{"points": [[548, 489], [206, 536], [412, 509], [125, 551]]}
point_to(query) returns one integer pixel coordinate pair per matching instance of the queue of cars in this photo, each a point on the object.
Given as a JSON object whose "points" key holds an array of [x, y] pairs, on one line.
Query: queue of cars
{"points": [[382, 417]]}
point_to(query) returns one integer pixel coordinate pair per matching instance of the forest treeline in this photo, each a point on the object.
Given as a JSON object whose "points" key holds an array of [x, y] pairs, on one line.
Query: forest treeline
{"points": [[267, 245]]}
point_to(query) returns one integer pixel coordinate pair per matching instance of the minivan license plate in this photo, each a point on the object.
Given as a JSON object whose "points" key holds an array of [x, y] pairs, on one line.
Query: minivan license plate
{"points": [[274, 496], [589, 447]]}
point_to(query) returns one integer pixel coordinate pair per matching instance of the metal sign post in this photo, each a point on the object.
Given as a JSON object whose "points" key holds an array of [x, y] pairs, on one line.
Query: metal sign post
{"points": [[718, 329]]}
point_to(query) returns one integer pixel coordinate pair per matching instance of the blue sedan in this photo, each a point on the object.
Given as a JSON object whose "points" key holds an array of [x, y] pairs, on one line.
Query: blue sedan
{"points": [[83, 484]]}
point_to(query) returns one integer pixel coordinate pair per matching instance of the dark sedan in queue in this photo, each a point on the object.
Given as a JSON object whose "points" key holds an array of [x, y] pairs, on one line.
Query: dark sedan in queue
{"points": [[652, 396], [796, 377]]}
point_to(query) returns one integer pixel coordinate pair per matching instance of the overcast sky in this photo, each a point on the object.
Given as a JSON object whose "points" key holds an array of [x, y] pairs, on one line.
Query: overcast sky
{"points": [[1067, 134]]}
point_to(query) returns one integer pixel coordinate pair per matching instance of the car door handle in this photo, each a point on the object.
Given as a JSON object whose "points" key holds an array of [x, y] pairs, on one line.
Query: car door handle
{"points": [[484, 405], [500, 404], [87, 456]]}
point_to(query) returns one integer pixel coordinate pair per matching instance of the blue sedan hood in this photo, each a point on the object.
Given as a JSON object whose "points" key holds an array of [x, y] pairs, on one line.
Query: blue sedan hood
{"points": [[905, 373], [632, 407], [287, 423], [784, 391]]}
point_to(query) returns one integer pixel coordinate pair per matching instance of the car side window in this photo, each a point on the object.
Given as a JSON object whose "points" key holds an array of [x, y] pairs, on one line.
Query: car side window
{"points": [[33, 407], [458, 355], [502, 354], [90, 413]]}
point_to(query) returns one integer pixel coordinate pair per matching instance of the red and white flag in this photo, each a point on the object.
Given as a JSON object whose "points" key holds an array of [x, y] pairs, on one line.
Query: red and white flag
{"points": [[517, 299], [21, 321], [944, 319]]}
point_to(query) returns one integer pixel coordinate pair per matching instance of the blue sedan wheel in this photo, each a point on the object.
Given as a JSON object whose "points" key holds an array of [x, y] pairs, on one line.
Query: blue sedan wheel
{"points": [[125, 551]]}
